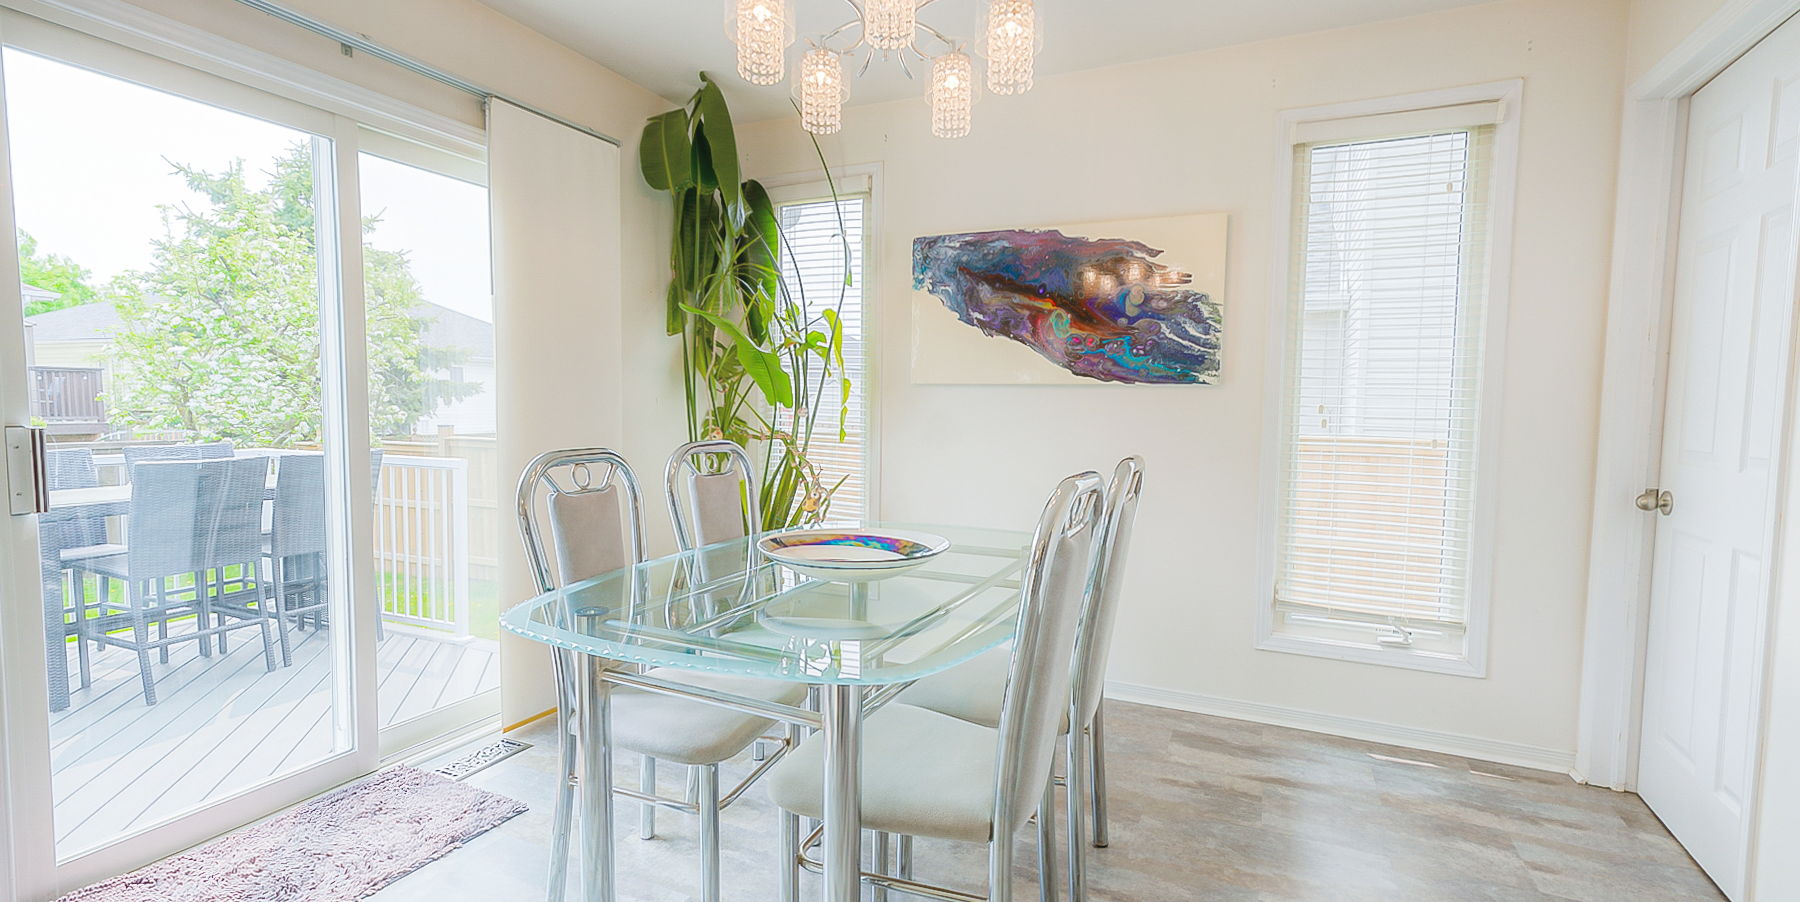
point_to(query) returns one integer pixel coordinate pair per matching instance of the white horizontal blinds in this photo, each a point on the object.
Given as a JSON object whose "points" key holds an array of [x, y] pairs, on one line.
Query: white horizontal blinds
{"points": [[813, 263], [1380, 458]]}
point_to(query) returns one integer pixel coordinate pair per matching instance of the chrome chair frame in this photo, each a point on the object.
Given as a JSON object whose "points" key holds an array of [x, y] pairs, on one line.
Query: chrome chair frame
{"points": [[1086, 770], [704, 799], [1078, 504], [682, 461]]}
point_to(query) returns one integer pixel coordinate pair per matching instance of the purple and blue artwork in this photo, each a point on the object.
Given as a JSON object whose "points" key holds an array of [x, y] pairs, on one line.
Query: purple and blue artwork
{"points": [[1103, 308]]}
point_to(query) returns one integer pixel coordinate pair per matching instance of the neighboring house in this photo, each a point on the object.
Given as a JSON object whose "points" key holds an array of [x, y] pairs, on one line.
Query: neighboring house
{"points": [[74, 336], [473, 340], [81, 336], [31, 294]]}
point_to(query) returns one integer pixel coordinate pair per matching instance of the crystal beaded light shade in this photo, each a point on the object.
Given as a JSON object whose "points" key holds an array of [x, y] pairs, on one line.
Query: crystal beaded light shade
{"points": [[762, 31], [822, 91], [1010, 40], [889, 24], [952, 94]]}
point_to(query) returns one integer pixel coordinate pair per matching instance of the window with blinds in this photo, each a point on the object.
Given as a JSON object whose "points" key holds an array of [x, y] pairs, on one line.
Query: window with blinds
{"points": [[813, 261], [1388, 283]]}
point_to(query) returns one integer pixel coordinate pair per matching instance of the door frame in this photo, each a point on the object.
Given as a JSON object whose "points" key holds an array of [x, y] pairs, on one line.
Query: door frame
{"points": [[137, 46], [1640, 293], [29, 771]]}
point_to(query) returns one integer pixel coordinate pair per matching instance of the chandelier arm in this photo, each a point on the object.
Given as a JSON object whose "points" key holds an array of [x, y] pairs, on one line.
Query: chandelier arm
{"points": [[947, 42], [824, 39]]}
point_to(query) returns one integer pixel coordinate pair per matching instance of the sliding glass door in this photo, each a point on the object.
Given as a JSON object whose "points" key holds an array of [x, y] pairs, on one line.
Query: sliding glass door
{"points": [[439, 496], [258, 338]]}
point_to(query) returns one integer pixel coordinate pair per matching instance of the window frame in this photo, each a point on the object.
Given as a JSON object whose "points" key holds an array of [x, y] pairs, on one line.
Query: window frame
{"points": [[1378, 117], [859, 180]]}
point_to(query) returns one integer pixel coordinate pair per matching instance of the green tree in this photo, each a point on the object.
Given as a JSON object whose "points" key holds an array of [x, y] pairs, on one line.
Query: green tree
{"points": [[53, 272], [220, 337]]}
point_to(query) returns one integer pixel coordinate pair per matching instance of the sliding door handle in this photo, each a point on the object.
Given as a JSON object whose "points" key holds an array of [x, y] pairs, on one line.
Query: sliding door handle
{"points": [[26, 475]]}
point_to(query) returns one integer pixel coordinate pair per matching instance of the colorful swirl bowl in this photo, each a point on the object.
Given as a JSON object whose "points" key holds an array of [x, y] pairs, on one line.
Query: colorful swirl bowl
{"points": [[850, 556]]}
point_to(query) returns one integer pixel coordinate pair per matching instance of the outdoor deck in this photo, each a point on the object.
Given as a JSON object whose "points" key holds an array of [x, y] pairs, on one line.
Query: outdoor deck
{"points": [[223, 724]]}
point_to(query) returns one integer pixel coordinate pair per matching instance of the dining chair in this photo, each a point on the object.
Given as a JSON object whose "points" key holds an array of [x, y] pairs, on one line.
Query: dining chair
{"points": [[296, 542], [973, 691], [594, 507], [66, 539], [295, 548], [711, 489], [925, 773], [187, 521]]}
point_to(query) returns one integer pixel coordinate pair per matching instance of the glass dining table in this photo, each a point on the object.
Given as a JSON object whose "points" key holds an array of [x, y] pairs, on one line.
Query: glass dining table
{"points": [[725, 609]]}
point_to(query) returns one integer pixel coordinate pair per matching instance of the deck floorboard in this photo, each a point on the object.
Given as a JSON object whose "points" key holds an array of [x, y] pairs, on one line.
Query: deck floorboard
{"points": [[223, 724]]}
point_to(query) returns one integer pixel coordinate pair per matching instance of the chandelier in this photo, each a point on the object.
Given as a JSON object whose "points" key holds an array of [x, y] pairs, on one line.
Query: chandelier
{"points": [[891, 29]]}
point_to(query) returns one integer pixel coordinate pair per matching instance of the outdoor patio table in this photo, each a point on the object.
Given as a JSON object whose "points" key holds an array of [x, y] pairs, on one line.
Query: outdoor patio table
{"points": [[71, 504], [724, 609]]}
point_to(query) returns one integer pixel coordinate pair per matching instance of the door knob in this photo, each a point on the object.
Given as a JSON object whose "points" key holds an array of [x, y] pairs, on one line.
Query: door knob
{"points": [[1656, 500]]}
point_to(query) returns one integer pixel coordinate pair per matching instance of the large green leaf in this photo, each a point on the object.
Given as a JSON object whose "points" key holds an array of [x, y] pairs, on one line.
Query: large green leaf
{"points": [[696, 249], [673, 317], [721, 140], [704, 175], [762, 366], [758, 259], [664, 152], [837, 338]]}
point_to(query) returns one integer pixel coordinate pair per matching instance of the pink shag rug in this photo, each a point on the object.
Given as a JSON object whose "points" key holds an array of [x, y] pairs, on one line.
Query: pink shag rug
{"points": [[338, 847]]}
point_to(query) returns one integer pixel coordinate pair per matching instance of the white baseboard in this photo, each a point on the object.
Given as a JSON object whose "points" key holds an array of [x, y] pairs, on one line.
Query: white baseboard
{"points": [[1499, 751]]}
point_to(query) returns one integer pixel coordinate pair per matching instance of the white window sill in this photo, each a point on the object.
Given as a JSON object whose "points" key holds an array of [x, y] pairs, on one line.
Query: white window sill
{"points": [[1371, 653]]}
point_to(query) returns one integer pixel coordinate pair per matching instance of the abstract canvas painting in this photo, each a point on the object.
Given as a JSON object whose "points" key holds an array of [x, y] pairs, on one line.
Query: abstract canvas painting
{"points": [[1124, 302]]}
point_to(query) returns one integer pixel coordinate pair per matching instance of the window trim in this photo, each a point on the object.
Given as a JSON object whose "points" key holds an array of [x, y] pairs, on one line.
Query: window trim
{"points": [[1473, 662], [863, 179]]}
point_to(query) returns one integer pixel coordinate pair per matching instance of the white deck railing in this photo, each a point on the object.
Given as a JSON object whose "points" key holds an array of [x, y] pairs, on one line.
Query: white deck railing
{"points": [[422, 542]]}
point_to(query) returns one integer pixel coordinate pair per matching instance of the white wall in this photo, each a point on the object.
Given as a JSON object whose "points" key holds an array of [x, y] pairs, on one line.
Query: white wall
{"points": [[486, 48], [1656, 26], [1197, 133]]}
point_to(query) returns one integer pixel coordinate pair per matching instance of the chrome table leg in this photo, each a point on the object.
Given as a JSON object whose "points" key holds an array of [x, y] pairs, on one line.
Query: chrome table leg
{"points": [[790, 839], [842, 734], [563, 820], [596, 782], [647, 786], [709, 832]]}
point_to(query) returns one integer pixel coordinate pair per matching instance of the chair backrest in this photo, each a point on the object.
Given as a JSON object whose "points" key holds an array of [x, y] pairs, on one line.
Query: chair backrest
{"points": [[375, 455], [1094, 640], [168, 521], [234, 488], [72, 468], [1039, 678], [596, 520], [297, 524], [712, 493]]}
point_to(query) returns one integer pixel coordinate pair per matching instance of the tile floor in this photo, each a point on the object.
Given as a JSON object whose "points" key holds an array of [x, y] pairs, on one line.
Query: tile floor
{"points": [[1204, 808]]}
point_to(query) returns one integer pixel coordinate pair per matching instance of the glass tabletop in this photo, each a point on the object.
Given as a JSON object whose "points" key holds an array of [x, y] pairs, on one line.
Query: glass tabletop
{"points": [[724, 608]]}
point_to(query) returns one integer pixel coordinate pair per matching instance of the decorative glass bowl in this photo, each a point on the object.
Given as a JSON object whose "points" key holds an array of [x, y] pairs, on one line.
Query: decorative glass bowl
{"points": [[850, 556]]}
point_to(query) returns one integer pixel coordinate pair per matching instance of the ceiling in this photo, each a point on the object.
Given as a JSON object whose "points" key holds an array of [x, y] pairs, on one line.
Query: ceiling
{"points": [[662, 44]]}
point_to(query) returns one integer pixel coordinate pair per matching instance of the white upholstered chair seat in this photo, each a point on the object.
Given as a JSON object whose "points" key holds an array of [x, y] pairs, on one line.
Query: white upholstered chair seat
{"points": [[923, 774], [973, 691], [689, 732]]}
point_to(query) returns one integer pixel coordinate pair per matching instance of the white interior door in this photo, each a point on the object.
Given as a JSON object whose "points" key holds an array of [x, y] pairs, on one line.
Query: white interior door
{"points": [[1727, 383]]}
